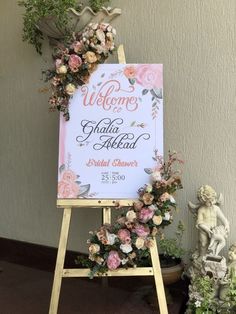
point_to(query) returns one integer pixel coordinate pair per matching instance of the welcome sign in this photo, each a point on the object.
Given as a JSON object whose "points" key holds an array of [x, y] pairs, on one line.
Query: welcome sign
{"points": [[115, 126]]}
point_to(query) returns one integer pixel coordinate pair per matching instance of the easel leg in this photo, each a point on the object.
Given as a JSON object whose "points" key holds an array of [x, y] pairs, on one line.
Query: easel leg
{"points": [[158, 279], [60, 261]]}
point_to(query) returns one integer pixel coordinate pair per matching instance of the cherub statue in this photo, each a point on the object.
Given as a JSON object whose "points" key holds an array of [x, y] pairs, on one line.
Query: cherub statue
{"points": [[231, 273], [232, 261], [212, 235]]}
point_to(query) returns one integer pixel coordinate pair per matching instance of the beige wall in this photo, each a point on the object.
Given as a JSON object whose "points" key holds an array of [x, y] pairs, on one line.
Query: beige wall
{"points": [[195, 40]]}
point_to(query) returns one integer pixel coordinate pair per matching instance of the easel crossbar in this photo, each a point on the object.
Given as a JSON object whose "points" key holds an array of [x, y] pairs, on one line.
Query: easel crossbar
{"points": [[138, 271], [94, 203]]}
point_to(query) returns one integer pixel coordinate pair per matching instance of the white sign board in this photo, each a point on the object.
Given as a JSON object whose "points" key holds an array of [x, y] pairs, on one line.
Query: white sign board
{"points": [[116, 124]]}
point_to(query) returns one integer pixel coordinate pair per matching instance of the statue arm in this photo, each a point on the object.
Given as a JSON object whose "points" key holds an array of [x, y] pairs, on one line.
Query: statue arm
{"points": [[205, 228], [201, 223], [223, 219]]}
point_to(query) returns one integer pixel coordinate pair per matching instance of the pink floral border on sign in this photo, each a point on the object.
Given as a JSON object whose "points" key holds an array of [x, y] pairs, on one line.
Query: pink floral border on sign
{"points": [[149, 76], [69, 185]]}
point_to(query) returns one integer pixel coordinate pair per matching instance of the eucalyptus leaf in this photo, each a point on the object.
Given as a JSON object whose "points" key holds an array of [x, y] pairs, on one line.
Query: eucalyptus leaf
{"points": [[132, 81], [157, 92], [148, 170], [62, 168], [145, 91], [84, 189]]}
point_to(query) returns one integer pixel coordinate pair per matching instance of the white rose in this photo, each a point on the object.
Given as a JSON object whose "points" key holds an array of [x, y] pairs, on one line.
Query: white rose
{"points": [[70, 89], [172, 199], [126, 248], [157, 219], [167, 216], [149, 188], [156, 176], [111, 237], [153, 207], [100, 35], [139, 243], [62, 69], [124, 261], [131, 215]]}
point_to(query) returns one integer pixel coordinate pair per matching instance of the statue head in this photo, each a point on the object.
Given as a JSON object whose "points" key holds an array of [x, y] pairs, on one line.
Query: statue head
{"points": [[232, 253], [207, 195]]}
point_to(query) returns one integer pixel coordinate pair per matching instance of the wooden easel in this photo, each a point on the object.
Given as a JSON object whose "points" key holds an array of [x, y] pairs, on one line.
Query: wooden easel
{"points": [[106, 204]]}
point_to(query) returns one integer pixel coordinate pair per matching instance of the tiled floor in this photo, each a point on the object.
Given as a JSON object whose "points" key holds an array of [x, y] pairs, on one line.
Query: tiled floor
{"points": [[25, 290]]}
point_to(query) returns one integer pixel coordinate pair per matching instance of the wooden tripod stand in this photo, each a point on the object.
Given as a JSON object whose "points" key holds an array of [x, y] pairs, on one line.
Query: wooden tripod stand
{"points": [[61, 272]]}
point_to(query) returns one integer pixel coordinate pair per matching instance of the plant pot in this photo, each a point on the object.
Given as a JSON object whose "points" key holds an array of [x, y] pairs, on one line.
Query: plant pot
{"points": [[172, 274], [48, 25]]}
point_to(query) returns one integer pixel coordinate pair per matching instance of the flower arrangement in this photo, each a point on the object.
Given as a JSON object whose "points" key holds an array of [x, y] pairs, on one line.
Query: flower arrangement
{"points": [[76, 60], [126, 243]]}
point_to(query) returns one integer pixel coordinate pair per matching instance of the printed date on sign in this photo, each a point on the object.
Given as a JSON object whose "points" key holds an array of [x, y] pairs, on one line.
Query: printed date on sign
{"points": [[111, 177]]}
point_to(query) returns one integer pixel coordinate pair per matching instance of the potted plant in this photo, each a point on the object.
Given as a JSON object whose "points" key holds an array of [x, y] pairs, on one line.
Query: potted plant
{"points": [[58, 18], [171, 253]]}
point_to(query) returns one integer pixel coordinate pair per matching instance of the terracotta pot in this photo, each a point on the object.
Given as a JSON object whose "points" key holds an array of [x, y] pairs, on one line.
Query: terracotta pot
{"points": [[172, 274]]}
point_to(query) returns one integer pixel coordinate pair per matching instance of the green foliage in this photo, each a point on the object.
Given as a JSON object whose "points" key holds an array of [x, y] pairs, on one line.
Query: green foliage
{"points": [[37, 9], [97, 4], [172, 247]]}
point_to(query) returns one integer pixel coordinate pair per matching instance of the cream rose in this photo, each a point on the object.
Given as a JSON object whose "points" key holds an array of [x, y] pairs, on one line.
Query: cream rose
{"points": [[131, 215], [90, 57], [94, 248], [70, 89], [157, 220], [62, 69], [139, 243]]}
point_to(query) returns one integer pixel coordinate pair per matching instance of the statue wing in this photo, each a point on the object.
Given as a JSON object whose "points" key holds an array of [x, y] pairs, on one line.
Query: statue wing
{"points": [[193, 208]]}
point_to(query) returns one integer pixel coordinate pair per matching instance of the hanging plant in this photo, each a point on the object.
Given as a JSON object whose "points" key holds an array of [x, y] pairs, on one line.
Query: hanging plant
{"points": [[55, 11]]}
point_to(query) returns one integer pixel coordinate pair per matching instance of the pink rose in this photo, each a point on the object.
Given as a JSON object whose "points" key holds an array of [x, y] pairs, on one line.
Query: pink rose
{"points": [[78, 46], [69, 175], [164, 197], [142, 231], [124, 236], [145, 214], [149, 76], [74, 62], [130, 71], [68, 189], [58, 63], [113, 260]]}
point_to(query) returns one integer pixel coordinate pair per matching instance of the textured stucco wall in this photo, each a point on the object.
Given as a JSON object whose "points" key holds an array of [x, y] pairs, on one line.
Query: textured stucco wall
{"points": [[195, 40]]}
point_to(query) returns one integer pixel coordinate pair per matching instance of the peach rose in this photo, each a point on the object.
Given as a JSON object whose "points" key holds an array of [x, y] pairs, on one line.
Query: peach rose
{"points": [[139, 243], [147, 198], [69, 175], [68, 189], [90, 57], [130, 71], [149, 76], [138, 205]]}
